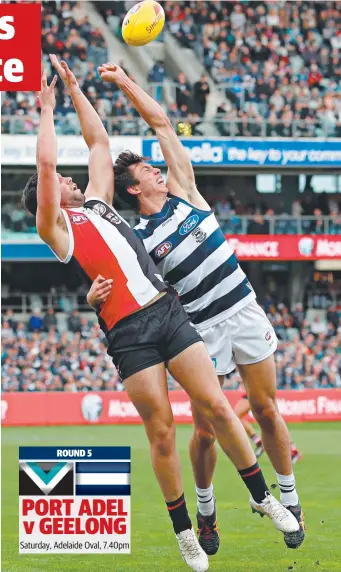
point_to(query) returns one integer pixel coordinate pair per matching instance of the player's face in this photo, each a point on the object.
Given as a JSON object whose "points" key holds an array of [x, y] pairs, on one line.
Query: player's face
{"points": [[71, 195], [151, 183]]}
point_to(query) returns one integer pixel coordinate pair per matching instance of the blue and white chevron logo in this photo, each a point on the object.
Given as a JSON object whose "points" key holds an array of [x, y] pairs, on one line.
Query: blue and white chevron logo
{"points": [[45, 475], [190, 223]]}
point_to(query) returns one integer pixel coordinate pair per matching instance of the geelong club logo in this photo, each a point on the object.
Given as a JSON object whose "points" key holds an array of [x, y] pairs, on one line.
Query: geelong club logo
{"points": [[189, 224], [199, 235], [163, 249]]}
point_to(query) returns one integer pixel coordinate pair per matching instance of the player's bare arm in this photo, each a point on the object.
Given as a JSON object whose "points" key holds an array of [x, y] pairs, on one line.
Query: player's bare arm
{"points": [[50, 222], [180, 179], [101, 173]]}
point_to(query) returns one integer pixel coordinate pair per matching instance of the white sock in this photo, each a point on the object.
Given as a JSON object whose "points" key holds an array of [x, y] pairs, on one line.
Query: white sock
{"points": [[289, 495], [205, 500]]}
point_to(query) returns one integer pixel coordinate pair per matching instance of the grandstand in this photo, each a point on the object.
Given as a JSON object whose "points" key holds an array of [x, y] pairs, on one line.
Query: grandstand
{"points": [[259, 106], [254, 69]]}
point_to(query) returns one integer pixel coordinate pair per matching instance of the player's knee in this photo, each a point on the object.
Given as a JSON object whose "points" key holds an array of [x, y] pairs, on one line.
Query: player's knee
{"points": [[204, 436], [163, 440], [265, 411], [218, 410]]}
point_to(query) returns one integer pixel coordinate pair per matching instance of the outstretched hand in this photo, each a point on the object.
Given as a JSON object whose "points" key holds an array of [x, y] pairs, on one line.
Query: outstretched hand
{"points": [[65, 73], [46, 97], [111, 72]]}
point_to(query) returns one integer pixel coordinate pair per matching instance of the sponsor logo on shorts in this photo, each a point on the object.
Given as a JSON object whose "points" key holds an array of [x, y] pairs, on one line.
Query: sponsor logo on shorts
{"points": [[199, 235], [268, 336], [214, 361], [163, 249], [79, 219], [189, 224]]}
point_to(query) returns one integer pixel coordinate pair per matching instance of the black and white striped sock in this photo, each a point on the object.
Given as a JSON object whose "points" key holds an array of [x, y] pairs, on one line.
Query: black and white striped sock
{"points": [[287, 486], [205, 500]]}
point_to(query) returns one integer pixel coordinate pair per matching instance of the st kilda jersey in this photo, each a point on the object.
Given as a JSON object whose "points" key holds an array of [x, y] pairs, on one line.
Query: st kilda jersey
{"points": [[102, 242]]}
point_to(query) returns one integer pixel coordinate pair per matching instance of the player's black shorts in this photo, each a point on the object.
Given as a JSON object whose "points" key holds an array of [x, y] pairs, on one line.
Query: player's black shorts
{"points": [[153, 335]]}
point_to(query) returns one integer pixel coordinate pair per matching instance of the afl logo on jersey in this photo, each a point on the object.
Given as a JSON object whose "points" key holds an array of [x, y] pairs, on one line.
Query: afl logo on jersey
{"points": [[189, 224], [163, 249], [79, 219]]}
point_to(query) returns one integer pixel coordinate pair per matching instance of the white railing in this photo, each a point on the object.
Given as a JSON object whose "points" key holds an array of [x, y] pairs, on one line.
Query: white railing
{"points": [[187, 126]]}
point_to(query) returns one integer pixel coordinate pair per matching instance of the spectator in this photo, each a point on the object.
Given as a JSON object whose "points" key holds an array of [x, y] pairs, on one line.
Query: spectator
{"points": [[201, 92], [50, 320], [74, 322], [333, 316], [183, 91], [318, 327], [157, 74], [35, 323]]}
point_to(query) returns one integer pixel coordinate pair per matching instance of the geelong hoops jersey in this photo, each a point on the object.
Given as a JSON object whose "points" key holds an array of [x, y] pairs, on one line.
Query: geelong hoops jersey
{"points": [[101, 242], [191, 253]]}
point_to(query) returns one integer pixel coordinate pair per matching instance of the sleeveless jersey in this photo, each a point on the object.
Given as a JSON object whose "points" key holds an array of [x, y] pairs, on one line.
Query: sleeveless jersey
{"points": [[191, 253], [101, 242]]}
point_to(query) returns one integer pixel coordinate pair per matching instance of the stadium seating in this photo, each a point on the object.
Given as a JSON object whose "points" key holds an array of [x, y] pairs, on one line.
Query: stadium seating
{"points": [[276, 66], [234, 218], [36, 356]]}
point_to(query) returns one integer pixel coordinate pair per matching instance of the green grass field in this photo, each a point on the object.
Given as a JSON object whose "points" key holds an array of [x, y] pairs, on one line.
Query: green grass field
{"points": [[248, 543]]}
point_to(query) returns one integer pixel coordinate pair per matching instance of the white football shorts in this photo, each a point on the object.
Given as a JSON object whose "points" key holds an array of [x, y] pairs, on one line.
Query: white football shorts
{"points": [[246, 337]]}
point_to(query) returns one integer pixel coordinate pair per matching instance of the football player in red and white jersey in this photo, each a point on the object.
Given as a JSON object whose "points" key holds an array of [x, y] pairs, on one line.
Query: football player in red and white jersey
{"points": [[149, 327]]}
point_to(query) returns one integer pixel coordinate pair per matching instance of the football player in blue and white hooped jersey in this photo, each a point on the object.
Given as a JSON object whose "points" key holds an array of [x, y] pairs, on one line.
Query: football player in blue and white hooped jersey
{"points": [[184, 239]]}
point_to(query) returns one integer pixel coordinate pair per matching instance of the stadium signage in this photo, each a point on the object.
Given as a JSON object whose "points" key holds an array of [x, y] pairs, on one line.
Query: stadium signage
{"points": [[108, 407], [253, 152], [72, 150], [20, 62], [80, 505], [283, 247]]}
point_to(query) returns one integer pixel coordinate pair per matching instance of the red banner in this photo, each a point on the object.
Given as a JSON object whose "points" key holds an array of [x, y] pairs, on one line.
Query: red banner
{"points": [[283, 247], [20, 40], [109, 407]]}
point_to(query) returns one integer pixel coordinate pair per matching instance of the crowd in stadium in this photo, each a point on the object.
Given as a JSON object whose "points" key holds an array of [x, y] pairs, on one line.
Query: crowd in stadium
{"points": [[38, 356], [229, 209], [272, 60]]}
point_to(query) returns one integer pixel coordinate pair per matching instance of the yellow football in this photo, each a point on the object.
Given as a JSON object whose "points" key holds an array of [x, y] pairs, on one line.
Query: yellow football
{"points": [[143, 23]]}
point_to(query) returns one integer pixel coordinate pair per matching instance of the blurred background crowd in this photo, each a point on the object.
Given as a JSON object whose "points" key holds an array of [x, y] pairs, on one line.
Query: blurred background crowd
{"points": [[276, 65], [305, 216], [39, 355]]}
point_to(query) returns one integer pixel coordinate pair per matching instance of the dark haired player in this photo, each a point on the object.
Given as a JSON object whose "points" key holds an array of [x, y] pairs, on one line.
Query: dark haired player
{"points": [[145, 326], [184, 240]]}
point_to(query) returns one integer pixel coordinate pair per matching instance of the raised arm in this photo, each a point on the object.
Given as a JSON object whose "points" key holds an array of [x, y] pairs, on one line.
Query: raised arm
{"points": [[48, 191], [180, 179], [101, 172]]}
